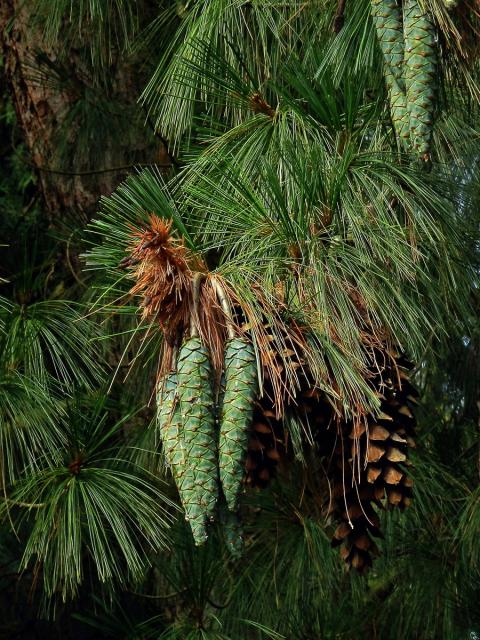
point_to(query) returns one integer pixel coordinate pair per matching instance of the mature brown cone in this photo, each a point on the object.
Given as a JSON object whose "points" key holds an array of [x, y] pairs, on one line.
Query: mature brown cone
{"points": [[368, 467], [390, 436], [365, 463], [267, 445], [353, 508]]}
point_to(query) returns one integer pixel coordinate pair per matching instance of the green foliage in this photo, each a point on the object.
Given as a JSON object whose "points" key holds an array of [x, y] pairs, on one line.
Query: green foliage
{"points": [[267, 33], [92, 506], [289, 175], [48, 336], [29, 431], [250, 224], [101, 26]]}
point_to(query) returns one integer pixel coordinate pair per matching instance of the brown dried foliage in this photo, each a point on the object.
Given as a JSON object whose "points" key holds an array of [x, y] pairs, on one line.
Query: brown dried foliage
{"points": [[459, 31], [162, 268], [258, 104], [164, 271]]}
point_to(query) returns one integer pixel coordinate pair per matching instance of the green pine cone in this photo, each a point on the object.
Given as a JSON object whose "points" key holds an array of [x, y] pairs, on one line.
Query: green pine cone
{"points": [[241, 387], [198, 485], [169, 424], [398, 108], [420, 66], [232, 531], [387, 19]]}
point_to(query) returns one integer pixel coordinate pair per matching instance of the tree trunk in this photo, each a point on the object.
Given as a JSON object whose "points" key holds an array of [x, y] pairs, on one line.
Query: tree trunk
{"points": [[46, 87]]}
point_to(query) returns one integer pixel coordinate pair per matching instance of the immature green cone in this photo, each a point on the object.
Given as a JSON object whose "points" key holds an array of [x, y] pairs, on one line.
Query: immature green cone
{"points": [[169, 424], [241, 388], [398, 109], [420, 66], [387, 19], [198, 485], [232, 531]]}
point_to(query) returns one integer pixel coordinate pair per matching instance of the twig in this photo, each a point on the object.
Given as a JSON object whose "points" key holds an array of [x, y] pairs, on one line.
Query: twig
{"points": [[222, 298], [27, 505], [259, 105], [194, 320], [166, 596], [69, 262], [96, 171], [164, 141]]}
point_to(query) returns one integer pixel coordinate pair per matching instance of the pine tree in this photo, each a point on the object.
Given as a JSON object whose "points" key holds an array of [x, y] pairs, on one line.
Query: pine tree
{"points": [[250, 355]]}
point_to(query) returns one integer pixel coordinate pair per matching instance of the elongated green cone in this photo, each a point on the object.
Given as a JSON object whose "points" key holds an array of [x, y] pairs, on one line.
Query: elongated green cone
{"points": [[232, 531], [169, 425], [420, 66], [241, 387], [198, 484], [387, 19], [398, 109]]}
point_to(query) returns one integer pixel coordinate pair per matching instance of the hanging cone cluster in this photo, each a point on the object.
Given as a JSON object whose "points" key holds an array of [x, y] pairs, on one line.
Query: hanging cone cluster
{"points": [[369, 467], [223, 428], [407, 40], [205, 456], [366, 462]]}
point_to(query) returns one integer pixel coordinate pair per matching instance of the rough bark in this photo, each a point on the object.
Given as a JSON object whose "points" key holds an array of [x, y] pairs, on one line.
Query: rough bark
{"points": [[69, 188]]}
